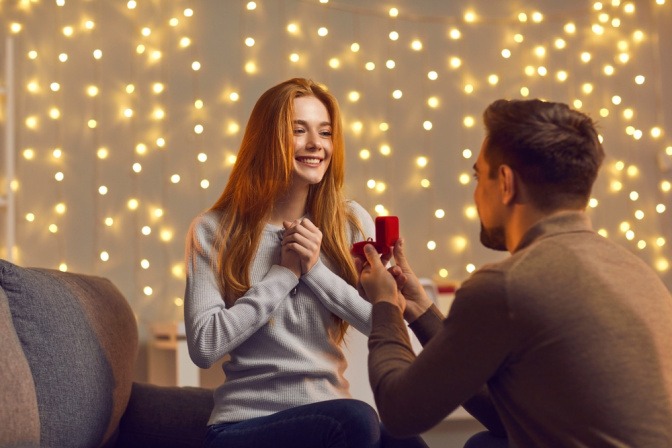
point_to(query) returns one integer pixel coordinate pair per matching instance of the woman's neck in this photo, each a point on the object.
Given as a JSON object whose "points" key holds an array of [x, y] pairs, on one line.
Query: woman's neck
{"points": [[289, 207]]}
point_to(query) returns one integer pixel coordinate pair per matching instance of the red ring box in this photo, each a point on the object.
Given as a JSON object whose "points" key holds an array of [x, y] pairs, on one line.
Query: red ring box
{"points": [[387, 233]]}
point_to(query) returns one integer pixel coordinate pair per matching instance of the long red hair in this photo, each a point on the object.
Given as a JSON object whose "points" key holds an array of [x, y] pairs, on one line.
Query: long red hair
{"points": [[263, 173]]}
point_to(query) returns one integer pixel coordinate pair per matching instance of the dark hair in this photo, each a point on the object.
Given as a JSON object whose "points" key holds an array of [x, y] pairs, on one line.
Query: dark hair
{"points": [[554, 149]]}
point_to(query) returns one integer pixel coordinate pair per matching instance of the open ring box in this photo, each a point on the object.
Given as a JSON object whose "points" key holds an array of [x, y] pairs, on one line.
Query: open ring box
{"points": [[387, 233]]}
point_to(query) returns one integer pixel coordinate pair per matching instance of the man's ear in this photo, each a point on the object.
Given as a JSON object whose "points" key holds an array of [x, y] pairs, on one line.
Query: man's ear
{"points": [[507, 184]]}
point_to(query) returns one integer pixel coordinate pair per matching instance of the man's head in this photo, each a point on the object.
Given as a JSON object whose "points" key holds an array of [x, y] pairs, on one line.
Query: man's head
{"points": [[550, 149]]}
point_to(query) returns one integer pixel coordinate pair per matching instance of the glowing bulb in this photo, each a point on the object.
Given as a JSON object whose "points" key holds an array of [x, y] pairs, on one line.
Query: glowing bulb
{"points": [[249, 42], [493, 79], [440, 213], [205, 183], [397, 94], [364, 154], [471, 212], [425, 183], [454, 33], [470, 16], [251, 68], [421, 161], [427, 125], [104, 256], [432, 75], [322, 31], [431, 245]]}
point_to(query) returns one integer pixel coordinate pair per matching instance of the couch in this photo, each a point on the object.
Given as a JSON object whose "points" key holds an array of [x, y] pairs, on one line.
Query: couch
{"points": [[68, 347]]}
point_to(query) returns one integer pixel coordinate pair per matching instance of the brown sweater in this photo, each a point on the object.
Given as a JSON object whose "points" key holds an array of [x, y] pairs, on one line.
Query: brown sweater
{"points": [[572, 335]]}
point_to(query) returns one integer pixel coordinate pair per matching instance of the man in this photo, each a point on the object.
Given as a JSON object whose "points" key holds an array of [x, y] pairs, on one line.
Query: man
{"points": [[566, 343]]}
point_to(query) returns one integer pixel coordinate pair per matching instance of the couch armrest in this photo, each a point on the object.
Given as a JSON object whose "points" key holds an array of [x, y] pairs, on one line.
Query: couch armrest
{"points": [[166, 417]]}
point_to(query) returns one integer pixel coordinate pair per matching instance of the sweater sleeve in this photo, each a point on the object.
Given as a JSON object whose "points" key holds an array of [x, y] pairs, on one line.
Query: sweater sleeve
{"points": [[336, 294], [212, 330], [414, 394]]}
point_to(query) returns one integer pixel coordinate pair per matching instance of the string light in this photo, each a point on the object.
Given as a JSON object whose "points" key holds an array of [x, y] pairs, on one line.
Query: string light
{"points": [[567, 65]]}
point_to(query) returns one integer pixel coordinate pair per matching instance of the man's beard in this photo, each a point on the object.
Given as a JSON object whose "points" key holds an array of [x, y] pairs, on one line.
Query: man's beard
{"points": [[493, 238]]}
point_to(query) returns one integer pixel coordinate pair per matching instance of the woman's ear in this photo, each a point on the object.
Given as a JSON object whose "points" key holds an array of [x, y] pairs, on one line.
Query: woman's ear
{"points": [[507, 184]]}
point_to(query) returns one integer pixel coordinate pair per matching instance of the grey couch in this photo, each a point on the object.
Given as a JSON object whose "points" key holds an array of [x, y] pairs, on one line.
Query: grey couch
{"points": [[68, 344]]}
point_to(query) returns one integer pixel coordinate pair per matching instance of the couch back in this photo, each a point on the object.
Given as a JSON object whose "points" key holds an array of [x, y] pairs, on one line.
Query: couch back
{"points": [[67, 352]]}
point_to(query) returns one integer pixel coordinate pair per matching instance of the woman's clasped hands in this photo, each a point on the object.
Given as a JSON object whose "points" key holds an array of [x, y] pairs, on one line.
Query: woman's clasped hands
{"points": [[300, 246]]}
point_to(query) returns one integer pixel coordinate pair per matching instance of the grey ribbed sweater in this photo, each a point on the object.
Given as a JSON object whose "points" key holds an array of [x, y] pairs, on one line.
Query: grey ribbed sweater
{"points": [[281, 340]]}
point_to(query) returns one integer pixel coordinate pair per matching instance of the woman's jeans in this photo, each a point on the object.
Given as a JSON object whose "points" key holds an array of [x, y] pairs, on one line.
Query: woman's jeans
{"points": [[344, 423]]}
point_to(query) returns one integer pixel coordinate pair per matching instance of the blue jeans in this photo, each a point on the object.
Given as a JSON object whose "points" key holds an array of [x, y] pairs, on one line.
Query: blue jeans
{"points": [[486, 440], [344, 423]]}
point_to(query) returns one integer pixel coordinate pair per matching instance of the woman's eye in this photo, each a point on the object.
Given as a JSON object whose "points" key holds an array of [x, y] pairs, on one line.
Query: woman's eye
{"points": [[326, 133], [298, 130]]}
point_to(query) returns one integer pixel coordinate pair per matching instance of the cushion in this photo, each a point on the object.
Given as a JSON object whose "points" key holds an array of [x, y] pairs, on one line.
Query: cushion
{"points": [[165, 417], [19, 420], [79, 338]]}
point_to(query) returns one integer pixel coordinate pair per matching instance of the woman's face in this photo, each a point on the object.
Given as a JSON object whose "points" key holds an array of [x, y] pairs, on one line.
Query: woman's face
{"points": [[313, 143]]}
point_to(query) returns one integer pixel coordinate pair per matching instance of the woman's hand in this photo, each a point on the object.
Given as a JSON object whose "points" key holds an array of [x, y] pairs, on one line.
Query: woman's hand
{"points": [[288, 258], [304, 239]]}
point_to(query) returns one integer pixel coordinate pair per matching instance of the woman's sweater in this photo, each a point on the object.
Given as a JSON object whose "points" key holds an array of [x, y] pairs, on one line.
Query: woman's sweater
{"points": [[280, 335]]}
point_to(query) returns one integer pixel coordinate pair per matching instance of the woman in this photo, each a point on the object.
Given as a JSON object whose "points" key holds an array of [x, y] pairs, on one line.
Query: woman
{"points": [[270, 282]]}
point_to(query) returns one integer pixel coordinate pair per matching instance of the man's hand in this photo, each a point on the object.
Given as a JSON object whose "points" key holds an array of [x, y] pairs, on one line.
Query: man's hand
{"points": [[378, 284], [417, 301], [305, 239], [360, 262]]}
